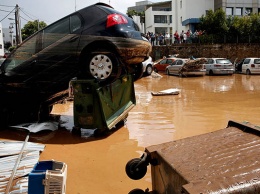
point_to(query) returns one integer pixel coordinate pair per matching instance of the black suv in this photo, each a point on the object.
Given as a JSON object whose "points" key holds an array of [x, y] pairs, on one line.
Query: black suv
{"points": [[96, 42]]}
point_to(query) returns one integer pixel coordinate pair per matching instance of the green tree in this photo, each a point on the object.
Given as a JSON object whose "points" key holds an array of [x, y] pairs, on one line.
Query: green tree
{"points": [[131, 13], [214, 22], [31, 27]]}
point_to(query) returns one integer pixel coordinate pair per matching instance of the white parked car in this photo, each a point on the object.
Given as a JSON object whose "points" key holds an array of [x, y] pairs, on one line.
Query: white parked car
{"points": [[148, 66], [185, 67], [249, 66], [219, 66]]}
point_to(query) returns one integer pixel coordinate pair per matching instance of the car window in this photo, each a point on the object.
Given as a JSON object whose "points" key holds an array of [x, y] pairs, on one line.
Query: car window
{"points": [[210, 61], [163, 61], [55, 32], [75, 23], [179, 62], [175, 62], [222, 61], [22, 53], [257, 61], [169, 61], [246, 61]]}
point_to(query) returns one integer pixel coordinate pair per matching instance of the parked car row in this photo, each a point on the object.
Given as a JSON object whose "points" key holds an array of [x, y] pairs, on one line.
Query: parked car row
{"points": [[212, 66]]}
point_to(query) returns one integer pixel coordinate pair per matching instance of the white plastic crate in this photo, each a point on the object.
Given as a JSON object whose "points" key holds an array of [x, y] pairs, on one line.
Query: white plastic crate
{"points": [[48, 177]]}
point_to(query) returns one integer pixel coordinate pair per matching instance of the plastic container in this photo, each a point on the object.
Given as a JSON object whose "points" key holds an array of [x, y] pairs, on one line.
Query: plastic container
{"points": [[48, 177]]}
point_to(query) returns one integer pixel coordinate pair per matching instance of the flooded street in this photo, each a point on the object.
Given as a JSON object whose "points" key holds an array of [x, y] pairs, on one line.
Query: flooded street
{"points": [[204, 104]]}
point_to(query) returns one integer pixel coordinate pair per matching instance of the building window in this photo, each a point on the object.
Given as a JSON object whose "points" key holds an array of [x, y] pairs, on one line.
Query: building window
{"points": [[248, 11], [229, 11], [238, 11], [170, 19], [160, 19]]}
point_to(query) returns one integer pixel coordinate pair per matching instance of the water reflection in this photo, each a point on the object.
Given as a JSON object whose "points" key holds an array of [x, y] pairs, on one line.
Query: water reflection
{"points": [[204, 104]]}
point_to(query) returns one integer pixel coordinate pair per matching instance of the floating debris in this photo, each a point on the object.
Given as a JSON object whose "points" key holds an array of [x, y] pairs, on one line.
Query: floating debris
{"points": [[17, 161], [172, 91]]}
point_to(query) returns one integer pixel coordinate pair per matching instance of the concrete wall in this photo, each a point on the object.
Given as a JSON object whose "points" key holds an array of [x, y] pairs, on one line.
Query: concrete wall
{"points": [[230, 51]]}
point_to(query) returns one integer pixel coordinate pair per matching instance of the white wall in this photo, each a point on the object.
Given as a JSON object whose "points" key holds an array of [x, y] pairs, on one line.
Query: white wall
{"points": [[2, 52], [189, 9]]}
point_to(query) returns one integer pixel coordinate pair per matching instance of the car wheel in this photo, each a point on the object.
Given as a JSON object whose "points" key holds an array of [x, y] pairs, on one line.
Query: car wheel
{"points": [[149, 70], [210, 72], [138, 71], [167, 72], [155, 70], [103, 66], [248, 72]]}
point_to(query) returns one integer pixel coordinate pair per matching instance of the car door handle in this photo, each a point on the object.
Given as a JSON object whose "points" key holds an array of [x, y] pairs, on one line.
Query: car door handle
{"points": [[73, 39]]}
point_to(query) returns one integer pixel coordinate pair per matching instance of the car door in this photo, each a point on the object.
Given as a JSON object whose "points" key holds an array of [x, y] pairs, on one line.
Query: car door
{"points": [[57, 59], [162, 65], [245, 65], [174, 67], [209, 65]]}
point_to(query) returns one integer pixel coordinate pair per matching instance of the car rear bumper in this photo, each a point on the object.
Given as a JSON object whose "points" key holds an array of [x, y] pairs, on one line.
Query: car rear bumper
{"points": [[197, 73], [223, 71], [134, 51]]}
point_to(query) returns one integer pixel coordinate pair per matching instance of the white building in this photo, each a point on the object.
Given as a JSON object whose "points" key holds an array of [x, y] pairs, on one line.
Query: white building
{"points": [[2, 51], [179, 15], [169, 16]]}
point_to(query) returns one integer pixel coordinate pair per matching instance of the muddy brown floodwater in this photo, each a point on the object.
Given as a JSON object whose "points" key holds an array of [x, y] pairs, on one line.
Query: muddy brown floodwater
{"points": [[97, 165]]}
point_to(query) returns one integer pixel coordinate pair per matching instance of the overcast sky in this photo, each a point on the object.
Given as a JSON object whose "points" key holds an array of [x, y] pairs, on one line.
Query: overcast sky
{"points": [[52, 10]]}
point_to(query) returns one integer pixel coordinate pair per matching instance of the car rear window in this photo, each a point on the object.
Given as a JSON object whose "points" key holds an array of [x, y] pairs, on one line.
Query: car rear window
{"points": [[223, 61], [257, 61]]}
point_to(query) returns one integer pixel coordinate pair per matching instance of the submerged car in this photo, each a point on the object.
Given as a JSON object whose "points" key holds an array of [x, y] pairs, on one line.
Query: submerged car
{"points": [[186, 67], [219, 66], [96, 42]]}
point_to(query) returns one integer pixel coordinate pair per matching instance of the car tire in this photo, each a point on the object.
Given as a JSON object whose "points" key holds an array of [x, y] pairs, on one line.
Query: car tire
{"points": [[167, 72], [155, 70], [148, 70], [101, 65], [248, 72], [138, 71], [211, 72]]}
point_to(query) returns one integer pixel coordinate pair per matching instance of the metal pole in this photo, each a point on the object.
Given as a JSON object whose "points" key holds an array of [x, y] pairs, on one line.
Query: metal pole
{"points": [[10, 182], [16, 25]]}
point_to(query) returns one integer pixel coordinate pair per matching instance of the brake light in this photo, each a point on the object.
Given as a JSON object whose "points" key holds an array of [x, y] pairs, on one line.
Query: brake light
{"points": [[115, 19], [252, 65], [217, 65]]}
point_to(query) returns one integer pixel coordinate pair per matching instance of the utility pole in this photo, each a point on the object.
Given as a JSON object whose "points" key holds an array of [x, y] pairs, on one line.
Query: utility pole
{"points": [[17, 26]]}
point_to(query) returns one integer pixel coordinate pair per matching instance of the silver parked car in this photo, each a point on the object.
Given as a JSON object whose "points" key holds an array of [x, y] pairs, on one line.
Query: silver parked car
{"points": [[185, 67], [219, 66]]}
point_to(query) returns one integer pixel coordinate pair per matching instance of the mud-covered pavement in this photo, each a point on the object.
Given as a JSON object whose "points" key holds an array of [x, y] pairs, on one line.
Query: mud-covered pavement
{"points": [[97, 165]]}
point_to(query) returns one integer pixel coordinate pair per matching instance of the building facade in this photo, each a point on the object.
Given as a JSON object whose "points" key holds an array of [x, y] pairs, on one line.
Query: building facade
{"points": [[169, 16], [179, 15], [1, 42], [238, 7]]}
